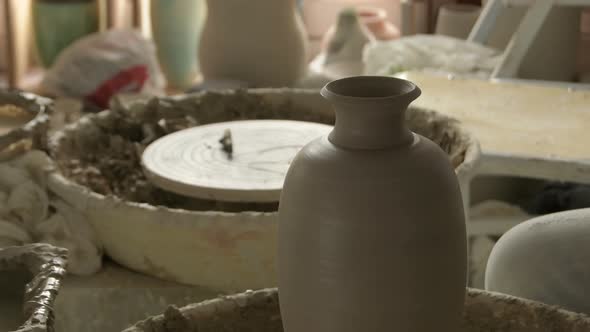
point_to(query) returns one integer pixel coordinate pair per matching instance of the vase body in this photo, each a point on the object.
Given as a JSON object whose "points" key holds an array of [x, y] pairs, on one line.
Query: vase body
{"points": [[59, 24], [371, 222], [176, 29], [260, 42]]}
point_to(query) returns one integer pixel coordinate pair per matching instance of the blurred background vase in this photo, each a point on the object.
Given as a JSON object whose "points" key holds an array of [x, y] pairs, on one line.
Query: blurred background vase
{"points": [[176, 29], [320, 15], [375, 21], [58, 23], [262, 42]]}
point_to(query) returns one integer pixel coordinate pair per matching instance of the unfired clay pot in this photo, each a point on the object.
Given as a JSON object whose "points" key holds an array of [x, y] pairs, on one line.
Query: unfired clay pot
{"points": [[260, 42], [545, 259], [371, 224]]}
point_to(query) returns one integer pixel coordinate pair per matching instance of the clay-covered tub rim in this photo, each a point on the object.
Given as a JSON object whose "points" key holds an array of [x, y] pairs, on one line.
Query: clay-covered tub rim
{"points": [[38, 107], [484, 312], [58, 181]]}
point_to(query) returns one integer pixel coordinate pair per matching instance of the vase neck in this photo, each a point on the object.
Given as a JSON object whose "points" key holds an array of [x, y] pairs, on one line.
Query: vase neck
{"points": [[370, 111]]}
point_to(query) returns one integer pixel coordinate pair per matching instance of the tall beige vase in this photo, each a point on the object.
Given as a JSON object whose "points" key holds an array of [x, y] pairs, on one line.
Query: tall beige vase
{"points": [[371, 225], [260, 42]]}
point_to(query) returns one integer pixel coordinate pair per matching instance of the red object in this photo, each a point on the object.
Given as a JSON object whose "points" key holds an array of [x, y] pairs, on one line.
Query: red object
{"points": [[375, 19], [129, 80], [372, 18]]}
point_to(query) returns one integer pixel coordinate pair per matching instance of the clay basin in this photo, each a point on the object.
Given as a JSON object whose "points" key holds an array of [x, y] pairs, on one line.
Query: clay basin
{"points": [[227, 247], [23, 121], [259, 311]]}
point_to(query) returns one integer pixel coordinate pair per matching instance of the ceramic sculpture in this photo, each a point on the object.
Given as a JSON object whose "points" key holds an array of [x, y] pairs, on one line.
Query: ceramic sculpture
{"points": [[259, 42], [545, 259], [371, 224]]}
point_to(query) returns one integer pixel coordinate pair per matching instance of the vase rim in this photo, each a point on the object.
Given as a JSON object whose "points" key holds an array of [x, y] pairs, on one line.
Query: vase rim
{"points": [[371, 89]]}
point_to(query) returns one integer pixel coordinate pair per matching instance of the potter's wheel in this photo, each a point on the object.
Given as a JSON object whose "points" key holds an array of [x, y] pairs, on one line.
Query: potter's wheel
{"points": [[237, 161]]}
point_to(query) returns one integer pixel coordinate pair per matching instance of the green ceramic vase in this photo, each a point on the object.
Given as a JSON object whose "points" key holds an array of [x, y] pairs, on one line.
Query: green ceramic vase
{"points": [[57, 24], [176, 29]]}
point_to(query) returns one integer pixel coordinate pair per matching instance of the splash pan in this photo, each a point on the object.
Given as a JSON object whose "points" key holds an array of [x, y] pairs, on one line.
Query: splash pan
{"points": [[259, 311]]}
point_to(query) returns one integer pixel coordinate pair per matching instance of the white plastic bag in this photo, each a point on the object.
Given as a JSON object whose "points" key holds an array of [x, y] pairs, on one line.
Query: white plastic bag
{"points": [[101, 65], [432, 53]]}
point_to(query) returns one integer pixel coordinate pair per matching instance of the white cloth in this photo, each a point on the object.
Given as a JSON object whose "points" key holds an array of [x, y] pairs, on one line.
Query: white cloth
{"points": [[430, 53], [29, 213]]}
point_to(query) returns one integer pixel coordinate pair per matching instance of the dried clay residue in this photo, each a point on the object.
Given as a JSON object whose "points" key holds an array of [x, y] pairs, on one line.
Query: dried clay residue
{"points": [[103, 152], [259, 311]]}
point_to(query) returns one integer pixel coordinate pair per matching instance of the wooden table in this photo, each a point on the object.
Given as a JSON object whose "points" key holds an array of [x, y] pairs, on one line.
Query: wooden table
{"points": [[531, 130], [524, 129]]}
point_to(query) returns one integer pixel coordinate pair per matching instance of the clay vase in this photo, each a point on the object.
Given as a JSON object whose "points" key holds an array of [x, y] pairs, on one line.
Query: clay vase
{"points": [[344, 45], [373, 19], [371, 225], [176, 28], [545, 259], [260, 42], [59, 23]]}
